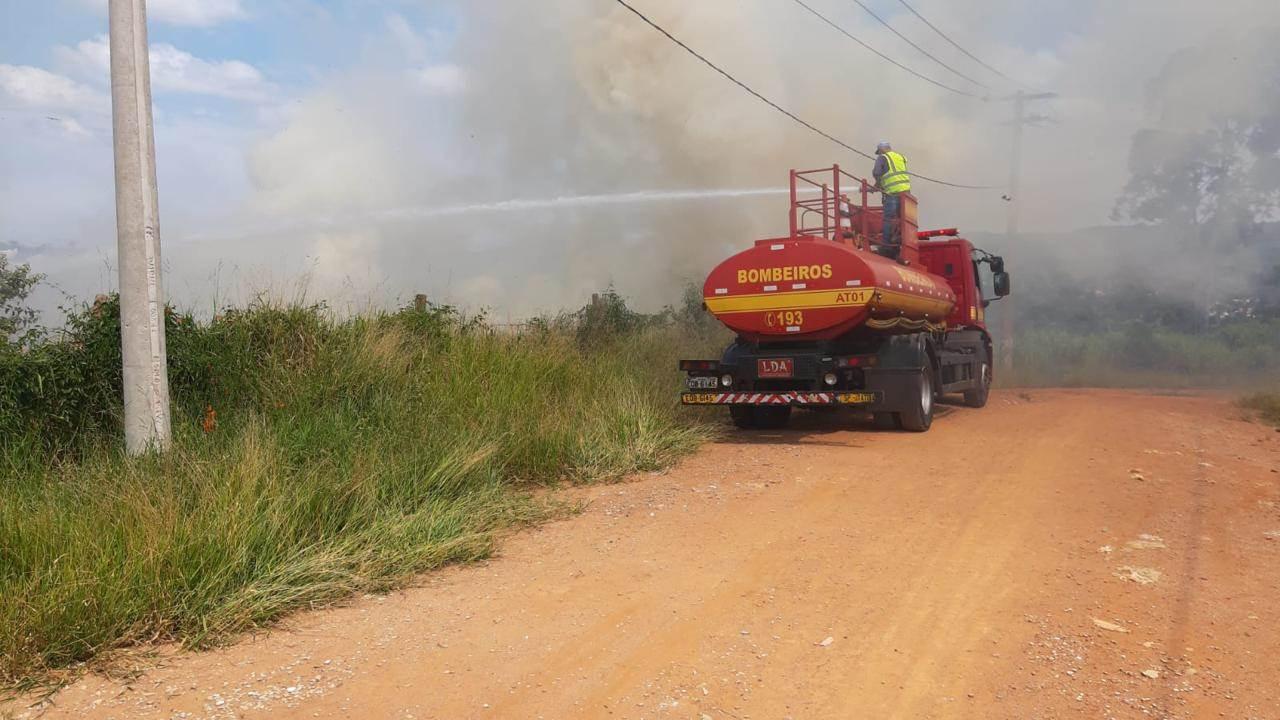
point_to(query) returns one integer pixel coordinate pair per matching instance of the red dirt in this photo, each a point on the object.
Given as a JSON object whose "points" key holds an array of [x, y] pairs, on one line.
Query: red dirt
{"points": [[826, 573]]}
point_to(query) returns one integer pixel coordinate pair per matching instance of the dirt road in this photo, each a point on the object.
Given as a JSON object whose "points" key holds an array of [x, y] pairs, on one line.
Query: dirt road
{"points": [[1060, 554]]}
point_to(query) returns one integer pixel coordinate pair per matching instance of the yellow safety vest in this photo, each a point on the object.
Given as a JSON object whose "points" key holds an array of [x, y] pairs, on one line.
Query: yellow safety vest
{"points": [[895, 180]]}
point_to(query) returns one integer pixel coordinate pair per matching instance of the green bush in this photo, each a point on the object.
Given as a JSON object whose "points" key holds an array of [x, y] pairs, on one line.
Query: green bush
{"points": [[312, 458]]}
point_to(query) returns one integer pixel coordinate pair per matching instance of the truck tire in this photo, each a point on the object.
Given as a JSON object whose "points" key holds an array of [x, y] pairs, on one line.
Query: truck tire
{"points": [[763, 417], [920, 416], [773, 417], [743, 416], [885, 421], [977, 397]]}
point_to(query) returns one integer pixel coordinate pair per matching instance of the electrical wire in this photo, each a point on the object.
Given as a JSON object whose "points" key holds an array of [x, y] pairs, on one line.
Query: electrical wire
{"points": [[957, 45], [884, 57], [778, 107], [924, 52]]}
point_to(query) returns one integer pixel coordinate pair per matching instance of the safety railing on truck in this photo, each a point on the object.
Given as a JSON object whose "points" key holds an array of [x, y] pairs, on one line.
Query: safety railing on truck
{"points": [[822, 208]]}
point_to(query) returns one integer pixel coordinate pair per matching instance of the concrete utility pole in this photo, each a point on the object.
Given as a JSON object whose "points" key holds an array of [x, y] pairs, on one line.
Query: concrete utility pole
{"points": [[146, 376], [1020, 119]]}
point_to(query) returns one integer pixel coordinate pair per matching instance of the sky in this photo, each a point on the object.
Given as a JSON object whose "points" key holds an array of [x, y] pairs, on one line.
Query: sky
{"points": [[327, 149]]}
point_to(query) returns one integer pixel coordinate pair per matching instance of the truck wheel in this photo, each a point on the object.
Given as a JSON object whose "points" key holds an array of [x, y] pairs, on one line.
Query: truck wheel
{"points": [[765, 417], [773, 417], [977, 397], [920, 416], [744, 416], [885, 421]]}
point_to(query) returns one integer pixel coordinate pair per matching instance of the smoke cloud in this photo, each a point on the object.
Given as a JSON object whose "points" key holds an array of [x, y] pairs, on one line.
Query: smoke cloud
{"points": [[566, 98]]}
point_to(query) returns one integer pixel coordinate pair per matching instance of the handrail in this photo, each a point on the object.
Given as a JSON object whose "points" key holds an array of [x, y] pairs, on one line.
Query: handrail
{"points": [[829, 206], [833, 205]]}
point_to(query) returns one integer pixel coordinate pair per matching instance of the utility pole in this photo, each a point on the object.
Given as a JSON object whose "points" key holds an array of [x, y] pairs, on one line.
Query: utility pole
{"points": [[146, 377], [1020, 120]]}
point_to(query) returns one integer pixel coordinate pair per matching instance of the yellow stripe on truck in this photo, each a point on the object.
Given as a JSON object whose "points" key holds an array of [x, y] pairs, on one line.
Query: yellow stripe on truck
{"points": [[822, 299], [803, 300]]}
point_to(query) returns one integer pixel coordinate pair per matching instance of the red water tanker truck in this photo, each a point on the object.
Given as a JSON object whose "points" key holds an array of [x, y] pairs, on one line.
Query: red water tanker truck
{"points": [[833, 315]]}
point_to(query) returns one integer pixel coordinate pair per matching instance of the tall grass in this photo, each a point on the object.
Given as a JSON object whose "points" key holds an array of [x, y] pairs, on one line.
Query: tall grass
{"points": [[312, 459], [1139, 355]]}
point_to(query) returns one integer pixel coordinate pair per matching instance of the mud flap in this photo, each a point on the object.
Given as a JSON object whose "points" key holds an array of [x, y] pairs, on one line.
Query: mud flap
{"points": [[900, 360], [897, 387]]}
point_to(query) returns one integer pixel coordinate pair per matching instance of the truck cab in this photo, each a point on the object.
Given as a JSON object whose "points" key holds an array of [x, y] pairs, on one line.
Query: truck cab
{"points": [[958, 261]]}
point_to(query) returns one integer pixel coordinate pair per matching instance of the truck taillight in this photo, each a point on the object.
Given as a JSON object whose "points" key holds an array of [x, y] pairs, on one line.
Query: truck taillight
{"points": [[947, 232], [856, 361], [693, 365]]}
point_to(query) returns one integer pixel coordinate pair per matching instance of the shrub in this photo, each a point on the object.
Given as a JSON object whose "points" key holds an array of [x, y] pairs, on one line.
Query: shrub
{"points": [[313, 457]]}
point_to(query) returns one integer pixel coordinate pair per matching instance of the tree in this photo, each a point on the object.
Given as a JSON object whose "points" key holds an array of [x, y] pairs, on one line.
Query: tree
{"points": [[1211, 159], [16, 283], [1207, 169]]}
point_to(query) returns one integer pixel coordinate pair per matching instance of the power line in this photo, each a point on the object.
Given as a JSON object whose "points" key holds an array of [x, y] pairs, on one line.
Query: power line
{"points": [[924, 52], [778, 107], [955, 44], [886, 58]]}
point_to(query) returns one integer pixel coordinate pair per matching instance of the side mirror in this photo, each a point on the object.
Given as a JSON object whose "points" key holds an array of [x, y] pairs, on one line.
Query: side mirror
{"points": [[997, 265], [1001, 281]]}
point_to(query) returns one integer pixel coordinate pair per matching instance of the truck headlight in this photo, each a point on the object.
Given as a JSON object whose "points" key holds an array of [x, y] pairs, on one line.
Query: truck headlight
{"points": [[830, 379], [726, 380]]}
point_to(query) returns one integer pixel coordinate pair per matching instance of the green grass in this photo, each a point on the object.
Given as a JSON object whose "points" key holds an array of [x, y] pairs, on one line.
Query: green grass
{"points": [[347, 456], [1241, 354], [1265, 405]]}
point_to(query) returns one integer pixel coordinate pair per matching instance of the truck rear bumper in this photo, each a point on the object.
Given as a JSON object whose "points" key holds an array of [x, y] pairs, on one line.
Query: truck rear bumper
{"points": [[796, 397]]}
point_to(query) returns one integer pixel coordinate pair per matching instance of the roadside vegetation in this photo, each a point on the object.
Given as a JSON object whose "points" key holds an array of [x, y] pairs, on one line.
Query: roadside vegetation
{"points": [[1265, 406], [1116, 329], [314, 457], [1235, 354]]}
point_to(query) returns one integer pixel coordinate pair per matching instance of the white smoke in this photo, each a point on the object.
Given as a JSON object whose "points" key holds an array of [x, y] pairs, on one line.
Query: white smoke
{"points": [[578, 98]]}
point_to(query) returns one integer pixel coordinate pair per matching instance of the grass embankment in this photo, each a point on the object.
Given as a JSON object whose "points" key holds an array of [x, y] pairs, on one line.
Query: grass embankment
{"points": [[1265, 406], [312, 459]]}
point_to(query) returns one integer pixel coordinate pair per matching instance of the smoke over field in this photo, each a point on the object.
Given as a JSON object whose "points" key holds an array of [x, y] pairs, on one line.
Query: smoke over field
{"points": [[334, 188]]}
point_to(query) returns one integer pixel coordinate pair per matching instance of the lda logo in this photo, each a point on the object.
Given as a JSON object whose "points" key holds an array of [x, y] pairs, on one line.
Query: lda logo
{"points": [[775, 367]]}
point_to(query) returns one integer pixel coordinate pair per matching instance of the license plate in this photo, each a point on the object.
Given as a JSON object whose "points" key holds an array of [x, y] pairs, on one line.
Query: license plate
{"points": [[700, 398], [775, 367], [702, 383], [859, 398]]}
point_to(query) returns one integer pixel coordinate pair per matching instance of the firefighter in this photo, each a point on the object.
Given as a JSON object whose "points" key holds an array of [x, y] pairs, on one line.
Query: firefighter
{"points": [[890, 173]]}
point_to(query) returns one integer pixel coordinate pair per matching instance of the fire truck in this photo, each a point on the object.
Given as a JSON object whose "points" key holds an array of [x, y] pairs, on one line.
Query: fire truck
{"points": [[837, 315]]}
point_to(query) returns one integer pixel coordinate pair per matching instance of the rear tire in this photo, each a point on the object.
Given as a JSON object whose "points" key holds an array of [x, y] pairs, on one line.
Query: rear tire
{"points": [[977, 397], [744, 416], [885, 421], [763, 417], [773, 417], [920, 417]]}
